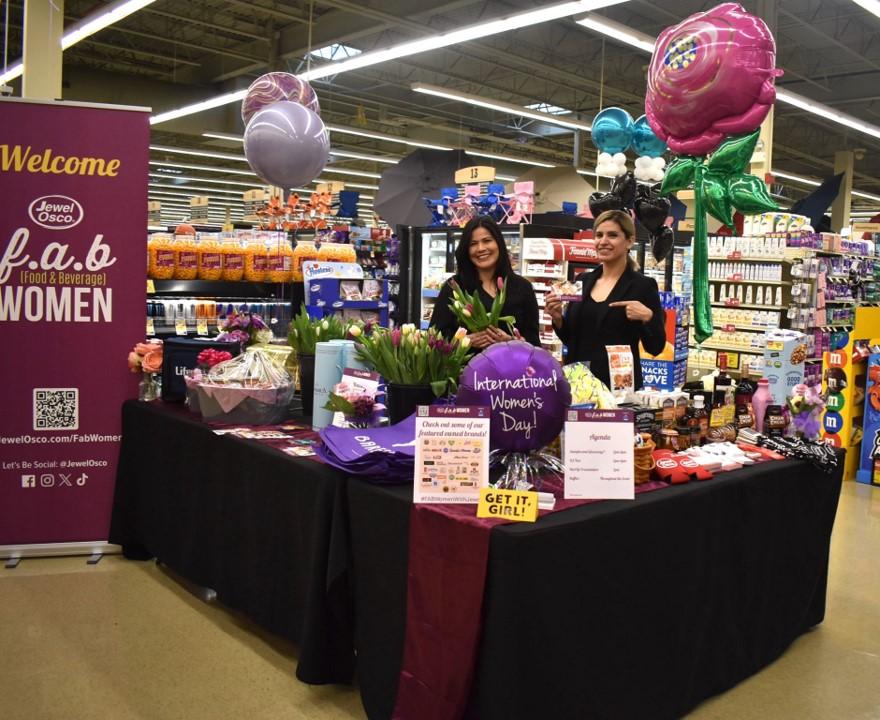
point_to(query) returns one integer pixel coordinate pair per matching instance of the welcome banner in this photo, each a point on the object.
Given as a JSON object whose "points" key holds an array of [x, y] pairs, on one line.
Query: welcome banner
{"points": [[73, 183]]}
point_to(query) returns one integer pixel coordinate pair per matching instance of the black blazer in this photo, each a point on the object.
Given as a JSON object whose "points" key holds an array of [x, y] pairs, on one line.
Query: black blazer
{"points": [[587, 329], [520, 302]]}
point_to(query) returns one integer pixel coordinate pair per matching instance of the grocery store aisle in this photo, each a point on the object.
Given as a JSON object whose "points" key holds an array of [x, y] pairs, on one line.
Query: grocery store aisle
{"points": [[125, 641]]}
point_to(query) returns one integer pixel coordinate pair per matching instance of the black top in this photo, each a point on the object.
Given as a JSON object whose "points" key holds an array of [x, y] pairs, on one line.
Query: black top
{"points": [[520, 303], [589, 326]]}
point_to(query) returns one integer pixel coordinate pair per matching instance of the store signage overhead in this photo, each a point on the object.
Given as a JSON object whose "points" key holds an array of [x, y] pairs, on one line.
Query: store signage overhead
{"points": [[474, 174]]}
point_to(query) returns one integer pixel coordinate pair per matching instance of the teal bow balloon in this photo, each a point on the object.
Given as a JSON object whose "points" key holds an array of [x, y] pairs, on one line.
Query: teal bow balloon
{"points": [[720, 186]]}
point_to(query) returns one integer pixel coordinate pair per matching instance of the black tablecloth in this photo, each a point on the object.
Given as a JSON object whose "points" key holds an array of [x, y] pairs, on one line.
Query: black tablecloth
{"points": [[265, 530], [616, 609]]}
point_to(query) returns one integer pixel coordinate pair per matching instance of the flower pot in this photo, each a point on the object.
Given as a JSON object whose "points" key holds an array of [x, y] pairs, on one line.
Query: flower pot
{"points": [[307, 382], [401, 400]]}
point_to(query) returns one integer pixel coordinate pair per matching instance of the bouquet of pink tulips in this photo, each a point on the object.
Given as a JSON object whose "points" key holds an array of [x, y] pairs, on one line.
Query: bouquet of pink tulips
{"points": [[471, 313]]}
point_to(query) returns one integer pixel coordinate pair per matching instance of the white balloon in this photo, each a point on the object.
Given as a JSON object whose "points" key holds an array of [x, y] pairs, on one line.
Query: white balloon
{"points": [[660, 162], [620, 158], [604, 157], [643, 161]]}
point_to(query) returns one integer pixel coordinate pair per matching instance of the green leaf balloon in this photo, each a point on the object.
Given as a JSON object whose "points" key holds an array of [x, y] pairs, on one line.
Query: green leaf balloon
{"points": [[679, 175], [749, 195], [717, 201], [733, 155]]}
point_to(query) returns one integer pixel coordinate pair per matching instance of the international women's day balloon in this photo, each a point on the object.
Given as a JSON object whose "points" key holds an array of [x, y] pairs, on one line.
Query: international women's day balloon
{"points": [[526, 390]]}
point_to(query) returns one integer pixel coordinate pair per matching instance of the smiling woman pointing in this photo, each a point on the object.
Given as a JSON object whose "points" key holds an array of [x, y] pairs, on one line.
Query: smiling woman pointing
{"points": [[620, 306]]}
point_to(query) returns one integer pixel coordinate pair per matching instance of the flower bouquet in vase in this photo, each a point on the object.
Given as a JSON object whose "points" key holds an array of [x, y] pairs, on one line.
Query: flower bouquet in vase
{"points": [[146, 358], [354, 400], [417, 365], [246, 329]]}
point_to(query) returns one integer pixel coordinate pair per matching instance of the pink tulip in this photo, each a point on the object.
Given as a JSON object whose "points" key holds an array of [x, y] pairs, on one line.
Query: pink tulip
{"points": [[395, 337], [500, 283]]}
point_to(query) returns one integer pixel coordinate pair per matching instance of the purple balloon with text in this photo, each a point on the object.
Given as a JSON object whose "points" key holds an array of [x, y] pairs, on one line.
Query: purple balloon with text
{"points": [[526, 390]]}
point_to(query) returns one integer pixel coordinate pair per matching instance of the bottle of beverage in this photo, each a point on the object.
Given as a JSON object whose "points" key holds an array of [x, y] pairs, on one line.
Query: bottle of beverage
{"points": [[761, 400], [723, 381], [701, 416]]}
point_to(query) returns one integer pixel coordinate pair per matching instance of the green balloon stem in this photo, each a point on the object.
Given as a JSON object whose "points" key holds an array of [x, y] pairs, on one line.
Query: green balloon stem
{"points": [[702, 307]]}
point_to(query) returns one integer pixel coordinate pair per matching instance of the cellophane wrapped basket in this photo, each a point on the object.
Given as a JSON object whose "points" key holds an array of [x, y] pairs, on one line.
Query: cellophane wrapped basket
{"points": [[250, 389]]}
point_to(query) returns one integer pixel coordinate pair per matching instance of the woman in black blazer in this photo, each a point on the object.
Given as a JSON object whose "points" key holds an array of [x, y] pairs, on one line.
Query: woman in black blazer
{"points": [[620, 306]]}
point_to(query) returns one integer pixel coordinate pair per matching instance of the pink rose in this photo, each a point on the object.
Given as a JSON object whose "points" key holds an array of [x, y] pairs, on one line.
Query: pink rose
{"points": [[134, 362], [152, 361], [711, 76], [143, 348]]}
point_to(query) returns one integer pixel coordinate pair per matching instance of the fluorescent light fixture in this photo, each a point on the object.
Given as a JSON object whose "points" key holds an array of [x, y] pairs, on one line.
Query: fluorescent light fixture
{"points": [[198, 107], [872, 6], [381, 136], [249, 185], [81, 29], [803, 103], [356, 173], [548, 108], [105, 17], [179, 195], [197, 153], [208, 168], [618, 31], [505, 178], [866, 195], [414, 47], [499, 106], [224, 136], [475, 153], [624, 34], [12, 72], [198, 188], [796, 178], [370, 158]]}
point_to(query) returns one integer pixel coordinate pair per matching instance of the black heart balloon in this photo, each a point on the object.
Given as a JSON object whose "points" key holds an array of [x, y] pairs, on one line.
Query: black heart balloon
{"points": [[652, 212], [599, 202], [661, 243], [624, 186]]}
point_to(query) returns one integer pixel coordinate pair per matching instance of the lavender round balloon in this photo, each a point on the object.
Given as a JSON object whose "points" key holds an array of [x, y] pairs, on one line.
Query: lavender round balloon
{"points": [[526, 390], [275, 86], [286, 144]]}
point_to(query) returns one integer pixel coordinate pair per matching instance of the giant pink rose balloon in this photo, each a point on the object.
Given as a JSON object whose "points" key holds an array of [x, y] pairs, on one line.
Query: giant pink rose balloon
{"points": [[711, 76], [275, 86]]}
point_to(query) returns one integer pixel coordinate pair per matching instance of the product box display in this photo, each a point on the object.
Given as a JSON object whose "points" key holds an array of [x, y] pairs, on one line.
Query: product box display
{"points": [[784, 354]]}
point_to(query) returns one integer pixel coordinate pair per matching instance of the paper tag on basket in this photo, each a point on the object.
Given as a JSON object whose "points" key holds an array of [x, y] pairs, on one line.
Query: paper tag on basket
{"points": [[180, 326], [513, 505], [202, 326]]}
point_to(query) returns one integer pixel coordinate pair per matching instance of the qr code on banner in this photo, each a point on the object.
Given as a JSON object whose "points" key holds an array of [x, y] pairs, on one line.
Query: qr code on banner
{"points": [[56, 408]]}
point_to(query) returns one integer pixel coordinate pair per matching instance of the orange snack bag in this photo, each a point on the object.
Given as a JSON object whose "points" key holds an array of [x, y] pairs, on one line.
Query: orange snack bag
{"points": [[232, 259], [210, 257], [303, 252], [186, 253], [160, 257], [280, 267], [256, 260]]}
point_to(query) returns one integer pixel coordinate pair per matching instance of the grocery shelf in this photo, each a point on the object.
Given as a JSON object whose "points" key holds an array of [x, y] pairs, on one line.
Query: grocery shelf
{"points": [[757, 259], [747, 306], [750, 282]]}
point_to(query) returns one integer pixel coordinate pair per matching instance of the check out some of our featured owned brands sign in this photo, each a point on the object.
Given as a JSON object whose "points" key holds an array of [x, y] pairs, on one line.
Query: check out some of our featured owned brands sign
{"points": [[74, 184]]}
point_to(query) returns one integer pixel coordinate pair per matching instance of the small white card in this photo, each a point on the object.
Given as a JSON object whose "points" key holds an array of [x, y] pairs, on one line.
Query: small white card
{"points": [[598, 455], [452, 453]]}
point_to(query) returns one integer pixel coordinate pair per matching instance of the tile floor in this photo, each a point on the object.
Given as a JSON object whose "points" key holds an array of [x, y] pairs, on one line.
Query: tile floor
{"points": [[127, 641]]}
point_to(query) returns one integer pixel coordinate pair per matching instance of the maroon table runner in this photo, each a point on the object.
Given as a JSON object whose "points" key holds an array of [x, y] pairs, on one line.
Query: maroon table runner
{"points": [[448, 555]]}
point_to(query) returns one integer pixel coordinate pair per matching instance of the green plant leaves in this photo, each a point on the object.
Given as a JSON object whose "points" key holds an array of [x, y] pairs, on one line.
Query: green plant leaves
{"points": [[733, 155], [679, 175]]}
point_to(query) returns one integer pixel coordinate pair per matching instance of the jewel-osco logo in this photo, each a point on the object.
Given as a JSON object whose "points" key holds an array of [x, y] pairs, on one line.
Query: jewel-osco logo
{"points": [[56, 212]]}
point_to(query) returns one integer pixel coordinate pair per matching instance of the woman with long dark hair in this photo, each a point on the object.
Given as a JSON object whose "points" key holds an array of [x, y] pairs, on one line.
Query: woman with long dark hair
{"points": [[481, 258], [620, 305]]}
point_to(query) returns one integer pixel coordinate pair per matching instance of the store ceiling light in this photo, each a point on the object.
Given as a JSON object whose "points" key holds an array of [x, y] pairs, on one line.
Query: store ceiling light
{"points": [[868, 196], [382, 136], [81, 29], [627, 35], [499, 106], [505, 178], [251, 185], [197, 153], [208, 168], [355, 173], [523, 161], [796, 178], [388, 159], [198, 188], [618, 31], [548, 108], [413, 47]]}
